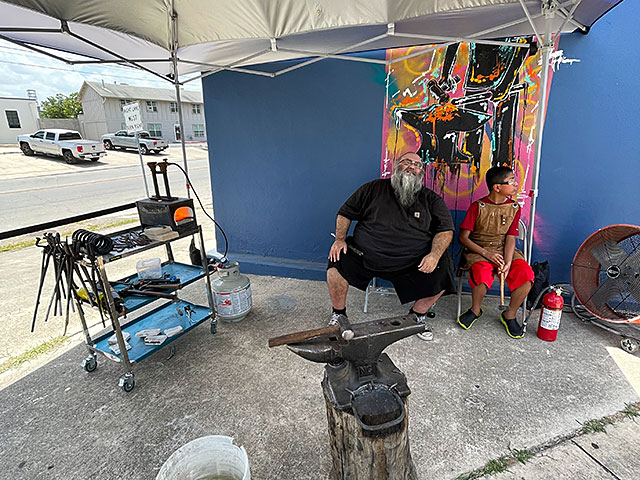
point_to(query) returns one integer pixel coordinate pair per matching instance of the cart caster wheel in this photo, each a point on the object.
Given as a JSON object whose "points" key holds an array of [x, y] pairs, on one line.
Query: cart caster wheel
{"points": [[629, 345], [90, 363], [214, 326], [127, 382]]}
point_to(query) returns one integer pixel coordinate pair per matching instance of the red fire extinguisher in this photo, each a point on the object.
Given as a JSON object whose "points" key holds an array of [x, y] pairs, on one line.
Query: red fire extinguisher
{"points": [[550, 315]]}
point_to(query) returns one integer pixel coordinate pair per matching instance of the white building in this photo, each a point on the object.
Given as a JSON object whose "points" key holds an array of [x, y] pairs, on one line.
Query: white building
{"points": [[102, 110], [19, 116]]}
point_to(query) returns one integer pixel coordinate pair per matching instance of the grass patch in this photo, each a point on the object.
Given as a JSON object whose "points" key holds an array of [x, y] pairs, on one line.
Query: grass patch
{"points": [[495, 466], [523, 456], [11, 247], [17, 246], [598, 425], [630, 410], [32, 354]]}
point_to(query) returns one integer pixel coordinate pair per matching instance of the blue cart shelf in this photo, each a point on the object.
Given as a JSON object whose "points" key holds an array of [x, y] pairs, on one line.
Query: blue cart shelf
{"points": [[168, 313]]}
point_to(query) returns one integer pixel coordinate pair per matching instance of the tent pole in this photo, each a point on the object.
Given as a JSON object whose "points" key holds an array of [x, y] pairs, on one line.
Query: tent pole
{"points": [[547, 47], [176, 83]]}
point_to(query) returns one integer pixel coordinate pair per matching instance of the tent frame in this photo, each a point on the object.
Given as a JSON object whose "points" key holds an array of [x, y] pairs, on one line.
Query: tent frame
{"points": [[550, 8]]}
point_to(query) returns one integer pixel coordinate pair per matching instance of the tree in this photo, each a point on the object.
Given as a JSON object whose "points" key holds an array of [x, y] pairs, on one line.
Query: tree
{"points": [[61, 106]]}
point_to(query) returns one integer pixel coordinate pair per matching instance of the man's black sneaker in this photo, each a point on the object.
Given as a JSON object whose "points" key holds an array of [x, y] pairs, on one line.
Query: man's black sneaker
{"points": [[334, 319], [514, 329], [427, 334], [467, 318]]}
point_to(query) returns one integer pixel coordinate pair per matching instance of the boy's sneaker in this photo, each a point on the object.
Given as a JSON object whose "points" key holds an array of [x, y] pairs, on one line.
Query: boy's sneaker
{"points": [[514, 329], [467, 319], [427, 334], [334, 319]]}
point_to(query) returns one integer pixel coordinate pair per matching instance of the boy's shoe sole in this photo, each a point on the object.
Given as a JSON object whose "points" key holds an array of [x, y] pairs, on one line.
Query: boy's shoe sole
{"points": [[507, 322], [468, 318]]}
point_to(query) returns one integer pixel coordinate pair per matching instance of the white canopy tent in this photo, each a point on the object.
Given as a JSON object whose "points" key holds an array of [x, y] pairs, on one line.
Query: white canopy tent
{"points": [[172, 38]]}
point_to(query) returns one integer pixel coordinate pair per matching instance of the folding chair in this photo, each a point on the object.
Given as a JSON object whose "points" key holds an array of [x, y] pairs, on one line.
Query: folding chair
{"points": [[373, 288], [464, 272]]}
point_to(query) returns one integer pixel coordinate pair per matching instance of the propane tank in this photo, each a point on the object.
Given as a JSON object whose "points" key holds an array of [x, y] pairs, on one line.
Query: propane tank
{"points": [[550, 315], [231, 293]]}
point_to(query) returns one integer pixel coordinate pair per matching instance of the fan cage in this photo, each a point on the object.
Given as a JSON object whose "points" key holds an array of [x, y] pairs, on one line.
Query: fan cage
{"points": [[605, 274]]}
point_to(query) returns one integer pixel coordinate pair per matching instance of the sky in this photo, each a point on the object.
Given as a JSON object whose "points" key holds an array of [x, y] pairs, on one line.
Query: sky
{"points": [[22, 69]]}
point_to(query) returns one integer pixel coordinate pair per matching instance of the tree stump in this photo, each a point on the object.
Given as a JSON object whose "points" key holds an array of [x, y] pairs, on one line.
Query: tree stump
{"points": [[359, 457]]}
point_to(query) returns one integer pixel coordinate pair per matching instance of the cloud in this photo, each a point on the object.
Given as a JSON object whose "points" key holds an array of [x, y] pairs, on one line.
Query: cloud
{"points": [[24, 69]]}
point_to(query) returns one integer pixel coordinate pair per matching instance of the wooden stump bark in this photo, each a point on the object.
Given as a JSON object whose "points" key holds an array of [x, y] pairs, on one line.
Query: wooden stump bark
{"points": [[359, 457]]}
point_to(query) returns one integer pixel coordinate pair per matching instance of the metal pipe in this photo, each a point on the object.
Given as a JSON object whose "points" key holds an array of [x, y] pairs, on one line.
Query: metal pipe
{"points": [[176, 83], [547, 46], [440, 39], [533, 25], [106, 50], [35, 49], [340, 50], [568, 17]]}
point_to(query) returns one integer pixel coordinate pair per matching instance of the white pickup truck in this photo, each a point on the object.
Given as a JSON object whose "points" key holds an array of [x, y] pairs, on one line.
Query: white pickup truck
{"points": [[65, 143], [124, 140]]}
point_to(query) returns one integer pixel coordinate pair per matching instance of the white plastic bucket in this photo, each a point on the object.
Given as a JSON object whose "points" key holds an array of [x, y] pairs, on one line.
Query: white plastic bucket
{"points": [[214, 457]]}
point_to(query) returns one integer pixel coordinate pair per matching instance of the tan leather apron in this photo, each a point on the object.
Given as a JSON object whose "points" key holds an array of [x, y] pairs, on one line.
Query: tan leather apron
{"points": [[490, 230]]}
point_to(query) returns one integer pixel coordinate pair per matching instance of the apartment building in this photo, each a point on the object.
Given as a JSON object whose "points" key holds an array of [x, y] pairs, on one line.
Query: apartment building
{"points": [[102, 110]]}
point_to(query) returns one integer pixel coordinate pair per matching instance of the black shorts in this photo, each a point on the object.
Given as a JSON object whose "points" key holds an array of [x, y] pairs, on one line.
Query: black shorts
{"points": [[410, 284]]}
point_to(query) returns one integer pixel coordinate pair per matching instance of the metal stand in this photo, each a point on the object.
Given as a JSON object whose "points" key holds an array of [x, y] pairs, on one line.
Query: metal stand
{"points": [[164, 316]]}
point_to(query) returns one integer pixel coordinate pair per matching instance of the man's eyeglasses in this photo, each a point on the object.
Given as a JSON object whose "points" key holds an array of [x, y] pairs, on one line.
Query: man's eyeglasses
{"points": [[415, 163], [513, 181]]}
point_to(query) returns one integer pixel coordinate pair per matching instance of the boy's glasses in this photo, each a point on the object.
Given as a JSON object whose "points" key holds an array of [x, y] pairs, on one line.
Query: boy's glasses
{"points": [[513, 181], [415, 163]]}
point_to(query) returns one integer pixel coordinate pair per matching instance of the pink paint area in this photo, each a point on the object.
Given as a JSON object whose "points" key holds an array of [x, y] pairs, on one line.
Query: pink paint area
{"points": [[438, 110]]}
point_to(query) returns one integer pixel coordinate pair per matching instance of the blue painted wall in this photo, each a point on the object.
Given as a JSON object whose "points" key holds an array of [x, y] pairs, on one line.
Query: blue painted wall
{"points": [[286, 152], [590, 167]]}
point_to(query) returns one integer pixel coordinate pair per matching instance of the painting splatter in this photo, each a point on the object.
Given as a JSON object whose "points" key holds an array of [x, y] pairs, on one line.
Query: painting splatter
{"points": [[463, 108]]}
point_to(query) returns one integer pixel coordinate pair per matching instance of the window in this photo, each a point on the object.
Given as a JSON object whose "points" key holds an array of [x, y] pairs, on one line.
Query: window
{"points": [[195, 108], [173, 106], [39, 134], [155, 129], [152, 106], [198, 130], [125, 102], [69, 136], [50, 136], [12, 118]]}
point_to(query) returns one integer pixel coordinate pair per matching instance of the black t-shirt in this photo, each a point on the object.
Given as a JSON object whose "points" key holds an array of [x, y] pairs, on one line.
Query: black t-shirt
{"points": [[390, 236]]}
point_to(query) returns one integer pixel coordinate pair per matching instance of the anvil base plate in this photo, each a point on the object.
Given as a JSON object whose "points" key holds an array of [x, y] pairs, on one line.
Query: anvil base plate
{"points": [[339, 381]]}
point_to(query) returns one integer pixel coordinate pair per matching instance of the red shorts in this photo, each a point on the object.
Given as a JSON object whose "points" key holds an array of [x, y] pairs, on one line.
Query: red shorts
{"points": [[483, 272]]}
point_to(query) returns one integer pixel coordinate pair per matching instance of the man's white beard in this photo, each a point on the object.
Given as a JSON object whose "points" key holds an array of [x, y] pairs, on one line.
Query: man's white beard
{"points": [[406, 186]]}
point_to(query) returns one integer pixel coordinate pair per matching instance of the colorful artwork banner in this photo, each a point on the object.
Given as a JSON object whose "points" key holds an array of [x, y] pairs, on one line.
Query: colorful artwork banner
{"points": [[464, 108]]}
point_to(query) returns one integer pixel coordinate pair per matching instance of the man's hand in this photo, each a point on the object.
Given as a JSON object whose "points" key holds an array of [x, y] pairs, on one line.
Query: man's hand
{"points": [[337, 247], [495, 258], [428, 263], [505, 269]]}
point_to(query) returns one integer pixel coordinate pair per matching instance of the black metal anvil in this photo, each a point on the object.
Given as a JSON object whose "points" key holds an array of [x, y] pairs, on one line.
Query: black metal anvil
{"points": [[358, 361]]}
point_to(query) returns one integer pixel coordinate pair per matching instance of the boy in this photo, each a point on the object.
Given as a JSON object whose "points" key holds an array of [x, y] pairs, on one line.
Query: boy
{"points": [[488, 233]]}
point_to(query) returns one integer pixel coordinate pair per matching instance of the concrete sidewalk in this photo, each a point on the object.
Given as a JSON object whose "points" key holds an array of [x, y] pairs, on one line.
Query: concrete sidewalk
{"points": [[476, 396]]}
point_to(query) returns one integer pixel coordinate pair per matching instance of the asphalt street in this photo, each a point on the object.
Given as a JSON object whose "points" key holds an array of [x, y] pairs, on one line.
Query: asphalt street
{"points": [[46, 188], [51, 189]]}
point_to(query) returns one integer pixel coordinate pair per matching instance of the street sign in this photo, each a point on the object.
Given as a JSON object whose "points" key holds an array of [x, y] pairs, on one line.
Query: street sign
{"points": [[132, 117]]}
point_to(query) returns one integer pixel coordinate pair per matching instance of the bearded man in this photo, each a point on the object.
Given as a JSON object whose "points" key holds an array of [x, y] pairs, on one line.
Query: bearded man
{"points": [[402, 236]]}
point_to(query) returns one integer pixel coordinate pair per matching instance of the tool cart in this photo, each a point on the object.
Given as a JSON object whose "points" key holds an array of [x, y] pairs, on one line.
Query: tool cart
{"points": [[173, 314]]}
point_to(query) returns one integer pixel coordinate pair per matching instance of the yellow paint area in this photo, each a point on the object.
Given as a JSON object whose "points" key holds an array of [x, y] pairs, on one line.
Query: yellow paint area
{"points": [[628, 364]]}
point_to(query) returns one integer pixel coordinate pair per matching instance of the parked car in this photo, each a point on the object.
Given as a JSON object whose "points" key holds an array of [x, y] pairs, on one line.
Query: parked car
{"points": [[124, 140], [67, 144]]}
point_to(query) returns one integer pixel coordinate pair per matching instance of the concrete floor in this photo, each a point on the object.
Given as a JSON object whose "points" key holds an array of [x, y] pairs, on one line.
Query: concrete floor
{"points": [[475, 394]]}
